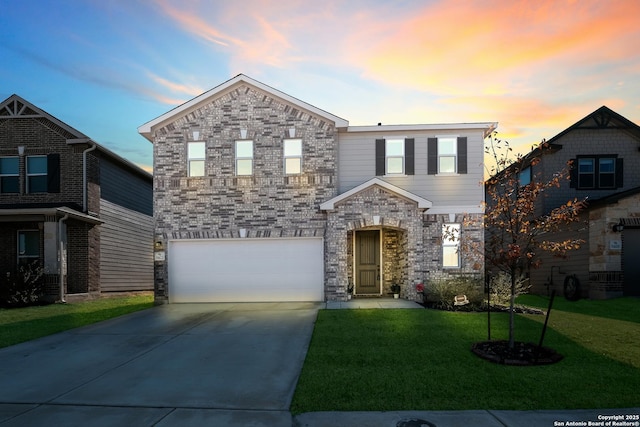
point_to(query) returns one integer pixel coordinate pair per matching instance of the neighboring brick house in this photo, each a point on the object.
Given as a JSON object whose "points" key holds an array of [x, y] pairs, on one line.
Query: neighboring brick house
{"points": [[259, 196], [71, 206], [604, 148]]}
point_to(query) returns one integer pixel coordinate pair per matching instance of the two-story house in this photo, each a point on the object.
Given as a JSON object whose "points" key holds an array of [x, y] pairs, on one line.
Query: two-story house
{"points": [[259, 196], [72, 207], [604, 151]]}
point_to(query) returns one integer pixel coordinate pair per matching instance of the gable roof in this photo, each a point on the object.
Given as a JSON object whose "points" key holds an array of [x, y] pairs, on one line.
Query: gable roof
{"points": [[330, 204], [602, 118], [16, 107], [181, 110]]}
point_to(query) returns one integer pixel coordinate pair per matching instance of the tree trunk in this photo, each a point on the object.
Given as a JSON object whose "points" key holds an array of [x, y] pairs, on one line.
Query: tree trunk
{"points": [[512, 316]]}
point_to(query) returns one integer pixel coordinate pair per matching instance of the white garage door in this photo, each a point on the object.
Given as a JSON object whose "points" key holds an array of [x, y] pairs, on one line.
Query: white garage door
{"points": [[246, 270]]}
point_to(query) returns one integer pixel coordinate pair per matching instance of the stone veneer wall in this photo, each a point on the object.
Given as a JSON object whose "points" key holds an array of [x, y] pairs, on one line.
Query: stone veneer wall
{"points": [[220, 204], [356, 213], [472, 246], [606, 277]]}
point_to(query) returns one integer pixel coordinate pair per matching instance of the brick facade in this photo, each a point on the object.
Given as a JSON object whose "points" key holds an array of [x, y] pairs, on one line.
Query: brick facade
{"points": [[220, 204], [26, 131], [271, 204]]}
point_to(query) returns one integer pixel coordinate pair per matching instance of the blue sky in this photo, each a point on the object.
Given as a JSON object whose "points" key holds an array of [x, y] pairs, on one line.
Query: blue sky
{"points": [[536, 67]]}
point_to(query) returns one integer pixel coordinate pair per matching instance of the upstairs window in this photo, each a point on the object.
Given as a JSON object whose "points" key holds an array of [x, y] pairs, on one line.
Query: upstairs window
{"points": [[597, 172], [524, 176], [447, 155], [9, 175], [244, 157], [292, 156], [395, 156], [37, 174], [450, 245], [606, 172], [196, 156]]}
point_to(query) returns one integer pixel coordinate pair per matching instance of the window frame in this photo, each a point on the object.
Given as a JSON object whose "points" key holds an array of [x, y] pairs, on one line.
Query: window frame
{"points": [[191, 160], [30, 175], [597, 174], [387, 156], [25, 258], [239, 159], [527, 173], [287, 157], [448, 243], [441, 155], [16, 175], [612, 174]]}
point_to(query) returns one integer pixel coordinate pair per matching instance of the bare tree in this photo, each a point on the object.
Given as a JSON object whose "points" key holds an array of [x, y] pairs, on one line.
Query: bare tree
{"points": [[515, 233]]}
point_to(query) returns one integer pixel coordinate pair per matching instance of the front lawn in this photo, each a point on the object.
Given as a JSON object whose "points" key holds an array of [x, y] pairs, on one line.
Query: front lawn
{"points": [[381, 360], [23, 324]]}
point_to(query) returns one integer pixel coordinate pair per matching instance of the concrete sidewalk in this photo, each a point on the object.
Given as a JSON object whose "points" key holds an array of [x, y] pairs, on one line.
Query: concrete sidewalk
{"points": [[471, 418]]}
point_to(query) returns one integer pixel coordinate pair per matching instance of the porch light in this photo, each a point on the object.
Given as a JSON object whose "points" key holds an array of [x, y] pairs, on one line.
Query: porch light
{"points": [[292, 133], [617, 228], [243, 232], [376, 220], [21, 150], [243, 134]]}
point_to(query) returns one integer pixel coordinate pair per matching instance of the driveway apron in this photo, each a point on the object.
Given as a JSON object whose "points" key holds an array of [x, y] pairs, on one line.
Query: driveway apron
{"points": [[177, 364]]}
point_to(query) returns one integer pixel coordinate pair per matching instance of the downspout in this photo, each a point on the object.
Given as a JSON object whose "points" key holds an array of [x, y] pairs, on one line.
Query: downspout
{"points": [[60, 247], [85, 207]]}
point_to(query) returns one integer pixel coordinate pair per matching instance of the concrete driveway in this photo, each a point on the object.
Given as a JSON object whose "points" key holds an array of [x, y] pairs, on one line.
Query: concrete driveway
{"points": [[178, 364]]}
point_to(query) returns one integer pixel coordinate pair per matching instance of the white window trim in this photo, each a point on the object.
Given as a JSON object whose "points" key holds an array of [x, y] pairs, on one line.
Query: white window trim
{"points": [[29, 174], [285, 157], [455, 157], [448, 243], [402, 139], [235, 147], [197, 159]]}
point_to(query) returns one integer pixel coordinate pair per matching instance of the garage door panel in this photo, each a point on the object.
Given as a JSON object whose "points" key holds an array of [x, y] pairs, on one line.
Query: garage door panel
{"points": [[249, 270]]}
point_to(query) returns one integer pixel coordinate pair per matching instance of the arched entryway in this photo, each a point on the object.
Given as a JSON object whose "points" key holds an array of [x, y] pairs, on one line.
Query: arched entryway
{"points": [[378, 260]]}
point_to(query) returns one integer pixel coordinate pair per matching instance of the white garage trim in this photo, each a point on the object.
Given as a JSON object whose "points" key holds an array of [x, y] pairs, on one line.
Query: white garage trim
{"points": [[246, 270]]}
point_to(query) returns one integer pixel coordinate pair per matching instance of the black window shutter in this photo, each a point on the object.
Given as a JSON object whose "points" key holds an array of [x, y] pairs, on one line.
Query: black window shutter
{"points": [[53, 173], [619, 173], [409, 156], [462, 154], [573, 174], [380, 157], [432, 156]]}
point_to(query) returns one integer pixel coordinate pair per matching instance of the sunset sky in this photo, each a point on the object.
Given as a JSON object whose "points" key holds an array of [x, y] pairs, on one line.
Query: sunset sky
{"points": [[536, 67]]}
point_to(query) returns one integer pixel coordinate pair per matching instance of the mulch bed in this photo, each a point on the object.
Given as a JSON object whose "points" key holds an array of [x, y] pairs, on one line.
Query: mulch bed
{"points": [[523, 354]]}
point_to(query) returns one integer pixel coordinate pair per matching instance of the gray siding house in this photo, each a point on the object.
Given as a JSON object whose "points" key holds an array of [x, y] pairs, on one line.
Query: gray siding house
{"points": [[259, 196], [604, 148], [72, 207]]}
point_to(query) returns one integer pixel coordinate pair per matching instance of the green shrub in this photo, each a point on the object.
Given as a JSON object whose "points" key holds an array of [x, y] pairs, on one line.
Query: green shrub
{"points": [[444, 290], [24, 288]]}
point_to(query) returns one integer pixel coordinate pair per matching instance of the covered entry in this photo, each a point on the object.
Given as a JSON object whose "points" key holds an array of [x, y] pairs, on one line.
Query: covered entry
{"points": [[379, 260]]}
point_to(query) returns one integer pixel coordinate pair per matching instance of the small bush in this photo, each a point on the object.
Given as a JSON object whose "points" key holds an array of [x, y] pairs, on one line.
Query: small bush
{"points": [[443, 292], [500, 286], [24, 288]]}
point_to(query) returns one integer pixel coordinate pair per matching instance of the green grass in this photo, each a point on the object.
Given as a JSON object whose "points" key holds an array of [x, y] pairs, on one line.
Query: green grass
{"points": [[23, 324], [380, 360]]}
